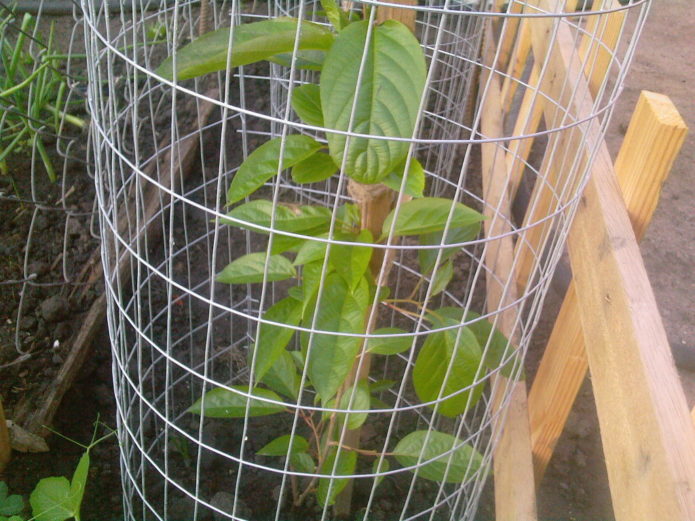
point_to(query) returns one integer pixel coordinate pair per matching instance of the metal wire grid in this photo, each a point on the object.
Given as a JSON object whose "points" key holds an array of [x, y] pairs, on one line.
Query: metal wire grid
{"points": [[176, 333], [27, 195]]}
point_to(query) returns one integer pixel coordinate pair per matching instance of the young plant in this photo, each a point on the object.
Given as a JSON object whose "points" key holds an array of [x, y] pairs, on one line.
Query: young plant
{"points": [[330, 255], [55, 498], [32, 91]]}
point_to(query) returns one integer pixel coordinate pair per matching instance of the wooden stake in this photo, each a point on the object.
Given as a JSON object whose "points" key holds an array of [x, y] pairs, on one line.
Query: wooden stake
{"points": [[5, 448], [648, 437], [515, 498], [654, 138]]}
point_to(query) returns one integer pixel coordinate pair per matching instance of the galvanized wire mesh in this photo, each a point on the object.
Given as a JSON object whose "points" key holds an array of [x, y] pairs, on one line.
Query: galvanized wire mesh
{"points": [[50, 226], [177, 333]]}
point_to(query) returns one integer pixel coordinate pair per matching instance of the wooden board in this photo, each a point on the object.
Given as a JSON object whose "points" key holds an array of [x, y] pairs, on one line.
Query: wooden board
{"points": [[648, 438], [652, 142], [515, 496]]}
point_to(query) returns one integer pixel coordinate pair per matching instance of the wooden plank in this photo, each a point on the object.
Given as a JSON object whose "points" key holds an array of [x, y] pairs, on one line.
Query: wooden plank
{"points": [[653, 140], [515, 496], [5, 448], [599, 42], [648, 437], [405, 16]]}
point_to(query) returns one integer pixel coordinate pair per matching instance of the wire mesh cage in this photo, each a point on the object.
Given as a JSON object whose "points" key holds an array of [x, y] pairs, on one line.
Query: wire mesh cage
{"points": [[319, 297], [50, 226]]}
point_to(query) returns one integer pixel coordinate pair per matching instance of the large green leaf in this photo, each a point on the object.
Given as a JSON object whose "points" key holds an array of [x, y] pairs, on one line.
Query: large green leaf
{"points": [[51, 500], [223, 403], [432, 364], [442, 278], [250, 268], [281, 445], [499, 349], [303, 462], [428, 257], [308, 60], [384, 343], [311, 251], [314, 168], [295, 219], [251, 43], [453, 461], [351, 262], [392, 82], [79, 483], [282, 376], [360, 402], [272, 340], [306, 102], [331, 356], [414, 183], [430, 214], [262, 164], [9, 504], [329, 488]]}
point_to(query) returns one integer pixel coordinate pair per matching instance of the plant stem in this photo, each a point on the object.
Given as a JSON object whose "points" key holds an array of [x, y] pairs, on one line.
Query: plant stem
{"points": [[73, 120]]}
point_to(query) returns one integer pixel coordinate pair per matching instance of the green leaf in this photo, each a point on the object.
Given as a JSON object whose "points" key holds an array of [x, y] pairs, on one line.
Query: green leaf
{"points": [[499, 349], [392, 82], [79, 483], [51, 500], [347, 460], [349, 217], [442, 278], [282, 377], [381, 385], [414, 184], [311, 251], [428, 257], [307, 60], [279, 446], [313, 169], [262, 163], [351, 262], [11, 518], [295, 219], [429, 214], [9, 504], [223, 403], [250, 268], [360, 402], [453, 462], [306, 102], [430, 372], [334, 14], [251, 43], [272, 340], [303, 462], [383, 343], [331, 356]]}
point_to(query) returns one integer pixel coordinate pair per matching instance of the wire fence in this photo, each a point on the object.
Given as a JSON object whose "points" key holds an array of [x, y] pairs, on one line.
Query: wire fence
{"points": [[290, 337], [49, 226]]}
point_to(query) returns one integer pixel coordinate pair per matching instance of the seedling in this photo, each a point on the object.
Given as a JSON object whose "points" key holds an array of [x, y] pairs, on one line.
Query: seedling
{"points": [[335, 256], [32, 91]]}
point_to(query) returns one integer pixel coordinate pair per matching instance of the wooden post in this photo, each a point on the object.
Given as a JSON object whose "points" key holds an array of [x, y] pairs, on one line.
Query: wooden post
{"points": [[653, 140], [515, 495], [5, 448], [648, 436]]}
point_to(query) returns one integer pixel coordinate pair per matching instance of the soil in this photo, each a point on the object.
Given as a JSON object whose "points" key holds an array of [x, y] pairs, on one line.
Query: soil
{"points": [[575, 487]]}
